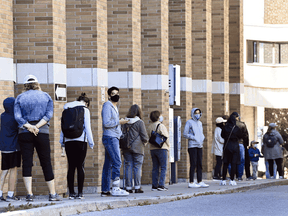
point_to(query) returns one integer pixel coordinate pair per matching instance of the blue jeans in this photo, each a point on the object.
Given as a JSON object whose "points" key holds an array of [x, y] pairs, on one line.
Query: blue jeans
{"points": [[159, 160], [133, 165], [241, 166], [112, 161], [267, 169]]}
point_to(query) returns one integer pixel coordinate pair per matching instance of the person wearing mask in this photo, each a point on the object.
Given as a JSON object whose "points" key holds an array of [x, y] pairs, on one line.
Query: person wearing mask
{"points": [[254, 155], [10, 149], [33, 110], [159, 155], [193, 131], [243, 146], [272, 149], [217, 147], [76, 148], [138, 138], [231, 133], [110, 139]]}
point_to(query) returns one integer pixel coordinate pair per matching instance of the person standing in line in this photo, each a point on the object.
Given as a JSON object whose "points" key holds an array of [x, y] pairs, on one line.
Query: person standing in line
{"points": [[33, 110], [193, 131], [217, 147], [272, 148], [134, 156], [110, 139], [254, 155], [159, 155], [76, 148], [10, 149]]}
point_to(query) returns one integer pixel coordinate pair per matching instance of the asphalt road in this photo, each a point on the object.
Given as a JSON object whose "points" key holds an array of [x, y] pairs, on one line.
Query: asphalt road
{"points": [[270, 201]]}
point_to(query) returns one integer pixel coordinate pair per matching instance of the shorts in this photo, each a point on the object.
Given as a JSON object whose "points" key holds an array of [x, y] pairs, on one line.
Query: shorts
{"points": [[10, 160]]}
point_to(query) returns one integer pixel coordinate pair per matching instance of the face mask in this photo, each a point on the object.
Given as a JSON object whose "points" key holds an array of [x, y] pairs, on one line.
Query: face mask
{"points": [[197, 116], [255, 146], [161, 118], [115, 98]]}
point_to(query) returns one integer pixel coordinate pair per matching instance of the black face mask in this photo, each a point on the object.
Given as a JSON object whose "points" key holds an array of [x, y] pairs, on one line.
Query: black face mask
{"points": [[115, 98]]}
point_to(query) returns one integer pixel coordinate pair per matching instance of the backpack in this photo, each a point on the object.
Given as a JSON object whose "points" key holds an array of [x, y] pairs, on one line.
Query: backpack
{"points": [[72, 122], [125, 138], [271, 140]]}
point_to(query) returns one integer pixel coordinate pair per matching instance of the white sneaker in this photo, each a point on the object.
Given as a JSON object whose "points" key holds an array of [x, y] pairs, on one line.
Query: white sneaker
{"points": [[223, 183], [280, 177], [193, 185], [233, 183], [116, 191], [203, 185]]}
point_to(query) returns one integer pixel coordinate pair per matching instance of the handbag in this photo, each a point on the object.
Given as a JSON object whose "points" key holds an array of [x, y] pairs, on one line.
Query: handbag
{"points": [[125, 137], [157, 139]]}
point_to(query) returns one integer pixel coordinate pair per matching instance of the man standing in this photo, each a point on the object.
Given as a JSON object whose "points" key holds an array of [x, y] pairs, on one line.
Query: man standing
{"points": [[243, 146], [111, 135]]}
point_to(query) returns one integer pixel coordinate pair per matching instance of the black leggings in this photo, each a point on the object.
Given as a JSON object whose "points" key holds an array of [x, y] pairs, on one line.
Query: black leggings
{"points": [[217, 170], [233, 170], [41, 143], [76, 154], [279, 166]]}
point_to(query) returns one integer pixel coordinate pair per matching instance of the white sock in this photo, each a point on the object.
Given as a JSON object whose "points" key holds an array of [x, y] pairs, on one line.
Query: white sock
{"points": [[1, 193], [10, 193]]}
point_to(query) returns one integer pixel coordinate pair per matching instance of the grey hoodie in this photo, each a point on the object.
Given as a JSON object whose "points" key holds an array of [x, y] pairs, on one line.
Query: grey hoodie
{"points": [[193, 131]]}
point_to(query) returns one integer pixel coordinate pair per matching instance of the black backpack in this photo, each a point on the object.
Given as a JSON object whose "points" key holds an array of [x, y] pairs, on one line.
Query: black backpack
{"points": [[72, 122], [125, 137], [271, 140]]}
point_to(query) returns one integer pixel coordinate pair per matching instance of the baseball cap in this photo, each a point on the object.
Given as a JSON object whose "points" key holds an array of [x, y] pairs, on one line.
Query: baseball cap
{"points": [[254, 142], [30, 79], [235, 114], [220, 120], [273, 125]]}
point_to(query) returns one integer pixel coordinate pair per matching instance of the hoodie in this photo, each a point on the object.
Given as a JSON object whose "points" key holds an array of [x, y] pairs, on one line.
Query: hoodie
{"points": [[9, 128], [87, 132], [137, 135], [193, 131]]}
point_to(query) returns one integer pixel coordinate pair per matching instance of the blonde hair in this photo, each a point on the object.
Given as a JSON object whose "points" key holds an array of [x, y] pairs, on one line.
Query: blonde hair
{"points": [[32, 86]]}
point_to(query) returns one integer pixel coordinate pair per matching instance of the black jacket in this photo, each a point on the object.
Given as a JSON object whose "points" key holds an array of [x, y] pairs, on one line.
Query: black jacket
{"points": [[245, 136]]}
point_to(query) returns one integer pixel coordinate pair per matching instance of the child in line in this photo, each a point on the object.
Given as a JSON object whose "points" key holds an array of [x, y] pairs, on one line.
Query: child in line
{"points": [[254, 155], [10, 150]]}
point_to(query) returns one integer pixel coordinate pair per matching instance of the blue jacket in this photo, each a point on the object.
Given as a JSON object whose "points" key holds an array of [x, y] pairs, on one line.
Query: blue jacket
{"points": [[110, 120], [252, 153], [193, 131], [9, 128]]}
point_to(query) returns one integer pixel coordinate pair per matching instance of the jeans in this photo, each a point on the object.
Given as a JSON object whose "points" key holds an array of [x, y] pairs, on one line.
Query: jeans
{"points": [[267, 169], [133, 165], [241, 166], [159, 160], [195, 155], [112, 161], [255, 169]]}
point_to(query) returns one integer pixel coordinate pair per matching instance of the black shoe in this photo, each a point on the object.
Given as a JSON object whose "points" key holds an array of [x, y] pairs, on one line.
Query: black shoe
{"points": [[3, 199], [72, 196], [104, 194], [162, 188], [29, 198], [129, 191], [13, 198], [216, 179], [154, 188], [139, 190], [240, 179], [80, 196], [54, 197]]}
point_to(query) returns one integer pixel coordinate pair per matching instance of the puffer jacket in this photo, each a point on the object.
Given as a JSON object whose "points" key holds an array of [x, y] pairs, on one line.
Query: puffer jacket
{"points": [[137, 135], [275, 152]]}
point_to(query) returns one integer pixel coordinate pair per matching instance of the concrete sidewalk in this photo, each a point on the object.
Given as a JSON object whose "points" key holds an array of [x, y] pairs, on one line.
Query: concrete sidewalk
{"points": [[94, 202]]}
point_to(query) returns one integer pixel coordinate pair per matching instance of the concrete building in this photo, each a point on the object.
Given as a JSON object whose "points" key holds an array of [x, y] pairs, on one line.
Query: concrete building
{"points": [[233, 56]]}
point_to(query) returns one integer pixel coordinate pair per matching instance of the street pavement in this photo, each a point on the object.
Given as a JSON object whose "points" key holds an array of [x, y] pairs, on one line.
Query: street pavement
{"points": [[95, 203]]}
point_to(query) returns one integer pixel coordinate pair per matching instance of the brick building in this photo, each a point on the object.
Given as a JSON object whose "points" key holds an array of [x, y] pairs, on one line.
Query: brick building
{"points": [[232, 55]]}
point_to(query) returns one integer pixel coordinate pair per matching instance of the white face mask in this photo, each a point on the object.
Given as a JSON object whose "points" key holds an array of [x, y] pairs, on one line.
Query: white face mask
{"points": [[161, 118], [256, 145]]}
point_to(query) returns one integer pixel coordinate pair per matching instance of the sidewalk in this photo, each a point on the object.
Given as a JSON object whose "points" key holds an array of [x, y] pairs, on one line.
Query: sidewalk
{"points": [[94, 202]]}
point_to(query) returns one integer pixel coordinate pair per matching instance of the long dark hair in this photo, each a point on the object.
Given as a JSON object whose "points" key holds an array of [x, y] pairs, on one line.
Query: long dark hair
{"points": [[84, 98], [134, 111]]}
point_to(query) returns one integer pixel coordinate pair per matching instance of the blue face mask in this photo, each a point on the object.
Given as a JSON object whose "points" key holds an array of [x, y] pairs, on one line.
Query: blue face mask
{"points": [[161, 118], [197, 116]]}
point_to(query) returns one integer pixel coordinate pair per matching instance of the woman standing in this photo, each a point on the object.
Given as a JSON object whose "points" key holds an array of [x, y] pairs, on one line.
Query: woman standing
{"points": [[159, 156], [76, 148], [33, 109], [272, 149], [134, 156]]}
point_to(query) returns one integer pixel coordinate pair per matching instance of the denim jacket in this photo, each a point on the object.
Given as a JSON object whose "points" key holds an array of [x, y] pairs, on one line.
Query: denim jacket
{"points": [[110, 120], [33, 105]]}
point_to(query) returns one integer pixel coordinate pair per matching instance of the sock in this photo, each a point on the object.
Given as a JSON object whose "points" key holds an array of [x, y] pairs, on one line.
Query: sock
{"points": [[10, 193], [1, 193]]}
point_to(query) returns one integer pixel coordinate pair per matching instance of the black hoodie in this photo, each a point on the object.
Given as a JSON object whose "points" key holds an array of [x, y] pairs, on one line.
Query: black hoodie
{"points": [[9, 127]]}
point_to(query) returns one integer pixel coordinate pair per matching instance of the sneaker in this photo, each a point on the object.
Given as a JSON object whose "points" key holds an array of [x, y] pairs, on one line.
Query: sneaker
{"points": [[223, 183], [72, 196], [216, 179], [54, 197], [29, 198], [139, 190], [232, 182], [254, 178], [116, 191], [154, 188], [280, 177], [203, 185], [80, 196], [3, 199], [272, 177], [240, 179], [104, 194], [129, 191], [162, 188], [193, 185], [13, 198]]}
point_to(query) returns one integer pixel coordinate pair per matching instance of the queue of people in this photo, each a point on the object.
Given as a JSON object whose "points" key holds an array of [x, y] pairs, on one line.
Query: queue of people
{"points": [[25, 126]]}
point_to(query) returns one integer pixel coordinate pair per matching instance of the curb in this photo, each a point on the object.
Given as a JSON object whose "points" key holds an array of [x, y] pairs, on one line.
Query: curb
{"points": [[64, 209]]}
